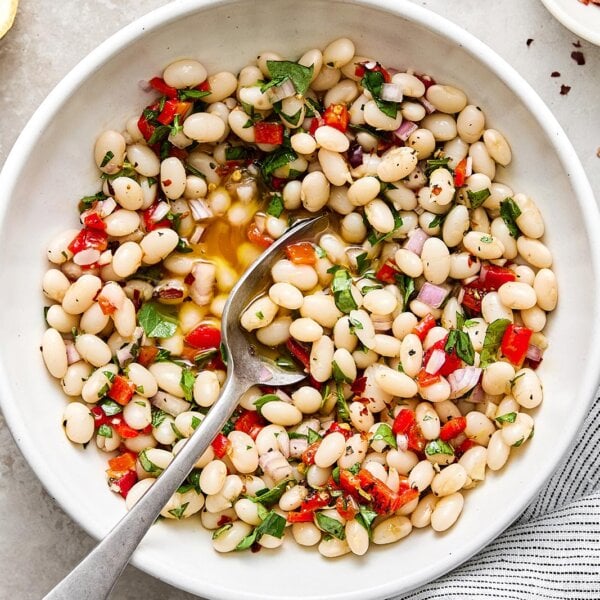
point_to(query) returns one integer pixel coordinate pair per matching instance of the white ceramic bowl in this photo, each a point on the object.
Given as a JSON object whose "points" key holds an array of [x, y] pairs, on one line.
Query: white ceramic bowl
{"points": [[582, 20], [51, 167]]}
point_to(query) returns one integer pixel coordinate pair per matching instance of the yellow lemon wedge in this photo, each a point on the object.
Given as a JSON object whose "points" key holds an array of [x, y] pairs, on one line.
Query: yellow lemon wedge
{"points": [[8, 12]]}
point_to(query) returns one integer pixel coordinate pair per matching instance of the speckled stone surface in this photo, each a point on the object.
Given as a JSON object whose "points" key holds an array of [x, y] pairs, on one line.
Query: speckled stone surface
{"points": [[38, 542]]}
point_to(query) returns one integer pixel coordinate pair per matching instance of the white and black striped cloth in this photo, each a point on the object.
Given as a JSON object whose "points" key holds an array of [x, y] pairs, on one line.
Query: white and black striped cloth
{"points": [[552, 551]]}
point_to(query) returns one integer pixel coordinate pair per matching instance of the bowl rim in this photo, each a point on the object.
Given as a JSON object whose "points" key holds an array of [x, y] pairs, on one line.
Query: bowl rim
{"points": [[439, 25], [566, 18]]}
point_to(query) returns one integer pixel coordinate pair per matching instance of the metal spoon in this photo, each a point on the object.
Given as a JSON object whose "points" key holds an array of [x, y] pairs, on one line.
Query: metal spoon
{"points": [[94, 577]]}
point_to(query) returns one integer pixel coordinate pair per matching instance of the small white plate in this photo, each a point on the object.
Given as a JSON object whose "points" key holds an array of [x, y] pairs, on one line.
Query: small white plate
{"points": [[580, 19]]}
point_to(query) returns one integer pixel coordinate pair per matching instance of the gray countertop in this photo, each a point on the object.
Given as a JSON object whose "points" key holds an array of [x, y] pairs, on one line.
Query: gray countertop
{"points": [[39, 542]]}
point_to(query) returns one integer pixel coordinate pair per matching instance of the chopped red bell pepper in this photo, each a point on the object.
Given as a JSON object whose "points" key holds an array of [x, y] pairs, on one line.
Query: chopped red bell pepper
{"points": [[308, 456], [425, 379], [257, 237], [220, 445], [158, 83], [315, 124], [99, 415], [493, 277], [89, 239], [126, 482], [149, 223], [453, 428], [204, 337], [451, 362], [204, 86], [106, 306], [92, 220], [362, 68], [346, 507], [336, 115], [404, 420], [460, 173], [464, 446], [121, 390], [384, 500], [473, 294], [315, 500], [416, 440], [300, 516], [342, 428], [172, 108], [299, 352], [124, 430], [147, 355], [515, 343], [426, 324], [387, 272], [123, 462], [268, 133], [250, 422], [301, 253]]}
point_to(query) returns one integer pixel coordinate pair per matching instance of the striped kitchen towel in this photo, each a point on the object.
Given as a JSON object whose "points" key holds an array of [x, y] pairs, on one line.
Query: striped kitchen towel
{"points": [[552, 551]]}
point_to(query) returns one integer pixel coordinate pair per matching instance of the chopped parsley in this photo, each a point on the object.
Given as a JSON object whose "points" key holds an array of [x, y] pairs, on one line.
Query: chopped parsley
{"points": [[478, 198], [107, 158], [283, 70], [275, 207], [342, 292], [373, 82], [510, 212], [384, 433], [158, 320], [331, 526], [492, 340]]}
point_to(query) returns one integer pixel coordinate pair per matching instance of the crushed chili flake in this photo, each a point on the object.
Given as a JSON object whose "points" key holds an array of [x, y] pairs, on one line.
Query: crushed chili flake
{"points": [[529, 42], [578, 57], [565, 89], [598, 152], [577, 44], [555, 74]]}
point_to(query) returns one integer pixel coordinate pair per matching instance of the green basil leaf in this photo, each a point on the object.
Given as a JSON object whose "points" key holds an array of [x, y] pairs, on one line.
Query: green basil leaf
{"points": [[373, 81], [294, 435], [260, 402], [354, 469], [219, 532], [384, 433], [341, 404], [312, 436], [107, 158], [111, 408], [365, 517], [147, 464], [435, 163], [363, 263], [342, 293], [105, 431], [273, 524], [88, 201], [192, 94], [187, 384], [270, 496], [158, 416], [491, 342], [478, 198], [507, 418], [331, 526], [158, 320], [335, 474], [195, 423], [275, 207], [338, 374], [299, 75], [204, 357], [159, 134], [277, 159], [510, 211], [438, 447], [178, 512], [406, 285], [437, 221]]}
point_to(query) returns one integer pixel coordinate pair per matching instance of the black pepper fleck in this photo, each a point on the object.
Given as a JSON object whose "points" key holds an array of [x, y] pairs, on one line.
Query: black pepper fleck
{"points": [[555, 74], [565, 89], [529, 42]]}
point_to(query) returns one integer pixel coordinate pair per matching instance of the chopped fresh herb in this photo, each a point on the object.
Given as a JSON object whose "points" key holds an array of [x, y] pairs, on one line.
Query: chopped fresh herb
{"points": [[354, 469], [158, 416], [478, 198], [470, 323], [195, 423], [282, 70], [182, 489], [331, 526], [320, 252], [183, 247], [270, 496], [436, 163], [437, 221], [87, 201], [273, 524], [107, 158], [163, 355], [110, 408], [158, 320], [373, 81], [518, 443], [342, 293], [187, 384], [176, 127], [492, 340], [406, 285], [461, 343], [105, 431], [438, 447], [159, 134], [354, 325], [507, 418], [205, 356], [486, 239], [292, 119], [335, 474], [139, 389], [294, 435], [224, 353], [510, 212], [338, 374], [228, 427], [363, 263], [147, 464], [151, 274], [260, 402], [341, 404], [260, 315], [140, 402], [109, 375], [219, 532], [179, 512], [236, 153], [192, 94], [277, 159], [313, 436], [275, 207], [384, 433], [262, 511], [191, 170], [285, 362], [365, 517], [312, 107]]}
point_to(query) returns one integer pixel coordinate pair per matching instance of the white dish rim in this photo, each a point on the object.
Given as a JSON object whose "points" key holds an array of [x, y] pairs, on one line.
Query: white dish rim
{"points": [[571, 23]]}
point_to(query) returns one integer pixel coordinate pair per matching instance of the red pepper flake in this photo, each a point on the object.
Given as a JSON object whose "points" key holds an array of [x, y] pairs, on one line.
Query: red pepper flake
{"points": [[167, 182], [529, 42], [578, 57], [565, 89], [577, 44], [555, 74]]}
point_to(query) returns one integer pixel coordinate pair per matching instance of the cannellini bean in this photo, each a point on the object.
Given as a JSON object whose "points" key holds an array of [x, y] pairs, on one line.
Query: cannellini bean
{"points": [[221, 85], [128, 193], [408, 262], [391, 530], [455, 225], [380, 216], [259, 314], [93, 349], [315, 191], [497, 146], [380, 302], [470, 123], [421, 475], [307, 399], [158, 244], [530, 221], [514, 434], [321, 308], [421, 140], [387, 345], [78, 423], [206, 388], [332, 139], [546, 289], [334, 167], [396, 164], [321, 357], [170, 403], [306, 534], [374, 117], [474, 463], [428, 420], [75, 377], [360, 416], [479, 428], [244, 454], [172, 177], [395, 383], [442, 126], [286, 295], [497, 377], [278, 332], [403, 461], [411, 354], [437, 392], [303, 143], [331, 547], [213, 477], [436, 260], [204, 127], [357, 537], [143, 159], [184, 73], [446, 98], [534, 318], [534, 252], [230, 535], [99, 380], [109, 151], [517, 295], [450, 480], [363, 190], [54, 353], [421, 516], [355, 451], [446, 511], [281, 413], [482, 162], [168, 376], [527, 388], [403, 324], [122, 223], [127, 259], [55, 284], [483, 245], [330, 450], [137, 413], [463, 265], [304, 277], [493, 308], [497, 451], [80, 295]]}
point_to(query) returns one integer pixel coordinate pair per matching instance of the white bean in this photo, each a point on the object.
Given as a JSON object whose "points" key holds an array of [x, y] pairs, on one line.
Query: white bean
{"points": [[204, 127], [527, 388], [517, 295], [54, 353], [78, 423], [546, 289], [446, 511], [80, 295]]}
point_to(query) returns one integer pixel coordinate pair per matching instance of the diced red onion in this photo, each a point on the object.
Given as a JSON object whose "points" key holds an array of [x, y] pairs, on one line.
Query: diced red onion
{"points": [[197, 234], [469, 167], [429, 108], [463, 380], [282, 91], [160, 212], [534, 353], [415, 241], [426, 80], [106, 207], [124, 355], [355, 156], [477, 395], [403, 132], [264, 374], [281, 394], [391, 92], [393, 71], [86, 257], [432, 295], [72, 355], [436, 361], [200, 209]]}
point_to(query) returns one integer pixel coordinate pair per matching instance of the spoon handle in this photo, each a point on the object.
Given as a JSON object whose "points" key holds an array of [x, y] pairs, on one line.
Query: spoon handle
{"points": [[94, 577]]}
